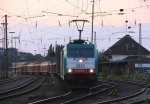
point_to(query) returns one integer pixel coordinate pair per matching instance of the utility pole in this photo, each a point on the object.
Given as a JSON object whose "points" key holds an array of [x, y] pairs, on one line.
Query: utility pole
{"points": [[3, 47], [11, 39], [140, 42], [94, 38], [6, 54], [35, 52], [15, 52], [92, 20], [139, 50], [1, 41], [44, 51], [6, 48], [12, 57], [126, 26]]}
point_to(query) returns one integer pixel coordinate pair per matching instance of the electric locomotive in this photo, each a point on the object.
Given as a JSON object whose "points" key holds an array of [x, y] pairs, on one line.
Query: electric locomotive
{"points": [[78, 62]]}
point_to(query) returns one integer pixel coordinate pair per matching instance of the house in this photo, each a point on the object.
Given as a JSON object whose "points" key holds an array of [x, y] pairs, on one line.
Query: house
{"points": [[127, 55]]}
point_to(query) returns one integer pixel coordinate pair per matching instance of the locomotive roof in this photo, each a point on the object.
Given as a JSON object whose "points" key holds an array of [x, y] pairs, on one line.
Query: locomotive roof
{"points": [[80, 45], [79, 41]]}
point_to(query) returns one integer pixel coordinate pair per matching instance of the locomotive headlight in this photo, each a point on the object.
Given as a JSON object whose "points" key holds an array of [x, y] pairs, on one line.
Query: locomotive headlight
{"points": [[91, 70], [80, 60], [69, 70]]}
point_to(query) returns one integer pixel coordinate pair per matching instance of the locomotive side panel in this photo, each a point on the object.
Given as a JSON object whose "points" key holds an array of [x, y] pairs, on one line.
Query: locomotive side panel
{"points": [[63, 62]]}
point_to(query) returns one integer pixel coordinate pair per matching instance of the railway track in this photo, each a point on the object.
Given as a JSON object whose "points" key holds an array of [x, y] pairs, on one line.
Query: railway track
{"points": [[14, 84], [121, 96], [12, 80], [17, 88], [95, 92], [141, 101], [72, 96], [97, 95], [26, 88], [3, 80], [142, 98]]}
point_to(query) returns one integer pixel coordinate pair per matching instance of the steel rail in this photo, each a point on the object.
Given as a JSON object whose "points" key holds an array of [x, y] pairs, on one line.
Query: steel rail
{"points": [[90, 95], [51, 98], [17, 88], [140, 101], [22, 92], [10, 80], [123, 98]]}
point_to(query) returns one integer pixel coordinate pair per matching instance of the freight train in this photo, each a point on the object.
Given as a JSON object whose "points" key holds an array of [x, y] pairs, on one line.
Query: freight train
{"points": [[38, 68], [79, 62]]}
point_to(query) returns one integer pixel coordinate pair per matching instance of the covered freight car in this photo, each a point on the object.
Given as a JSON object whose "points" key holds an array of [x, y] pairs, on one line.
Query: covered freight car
{"points": [[42, 68]]}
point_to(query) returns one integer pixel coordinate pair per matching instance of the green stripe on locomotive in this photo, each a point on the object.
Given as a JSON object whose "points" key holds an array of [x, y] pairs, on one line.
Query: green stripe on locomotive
{"points": [[65, 60]]}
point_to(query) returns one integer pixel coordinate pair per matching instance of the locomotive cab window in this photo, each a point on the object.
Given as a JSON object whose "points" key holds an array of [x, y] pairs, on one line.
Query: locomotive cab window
{"points": [[80, 52]]}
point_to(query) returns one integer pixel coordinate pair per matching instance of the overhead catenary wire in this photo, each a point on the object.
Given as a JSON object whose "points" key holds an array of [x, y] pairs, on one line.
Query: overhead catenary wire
{"points": [[59, 14], [31, 19], [147, 5]]}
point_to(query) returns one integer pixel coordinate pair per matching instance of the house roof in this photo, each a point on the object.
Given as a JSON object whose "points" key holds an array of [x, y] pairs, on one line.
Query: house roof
{"points": [[143, 59], [127, 46]]}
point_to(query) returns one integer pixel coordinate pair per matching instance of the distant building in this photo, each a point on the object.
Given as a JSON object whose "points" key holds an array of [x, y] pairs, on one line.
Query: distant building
{"points": [[127, 55]]}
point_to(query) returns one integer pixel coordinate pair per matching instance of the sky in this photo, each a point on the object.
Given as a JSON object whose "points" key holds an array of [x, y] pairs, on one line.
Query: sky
{"points": [[39, 23]]}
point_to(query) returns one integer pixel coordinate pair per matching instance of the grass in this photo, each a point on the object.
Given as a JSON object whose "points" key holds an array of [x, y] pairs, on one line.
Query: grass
{"points": [[47, 83], [131, 76], [147, 101]]}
